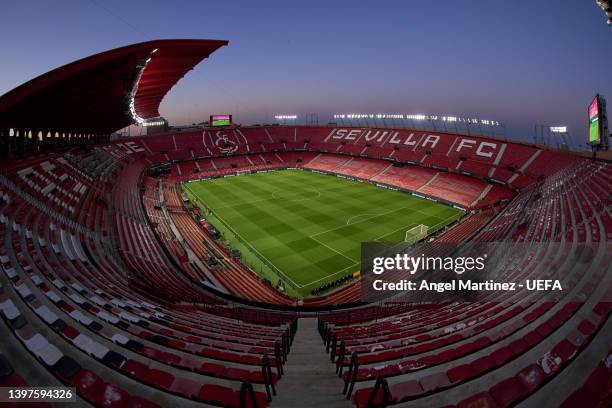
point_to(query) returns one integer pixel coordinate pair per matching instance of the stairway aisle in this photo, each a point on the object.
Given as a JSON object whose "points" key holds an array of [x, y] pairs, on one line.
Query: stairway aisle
{"points": [[310, 379]]}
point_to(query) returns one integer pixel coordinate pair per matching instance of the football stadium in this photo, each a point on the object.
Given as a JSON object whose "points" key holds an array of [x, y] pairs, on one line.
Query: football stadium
{"points": [[295, 260]]}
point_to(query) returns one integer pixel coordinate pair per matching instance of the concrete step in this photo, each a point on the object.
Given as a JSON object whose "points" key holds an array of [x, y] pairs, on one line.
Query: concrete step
{"points": [[310, 379]]}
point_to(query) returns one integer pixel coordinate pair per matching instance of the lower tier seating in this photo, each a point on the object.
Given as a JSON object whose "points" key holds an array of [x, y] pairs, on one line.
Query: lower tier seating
{"points": [[509, 349]]}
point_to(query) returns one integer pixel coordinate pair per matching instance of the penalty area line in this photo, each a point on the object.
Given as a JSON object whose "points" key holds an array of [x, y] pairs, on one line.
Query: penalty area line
{"points": [[331, 274], [333, 249]]}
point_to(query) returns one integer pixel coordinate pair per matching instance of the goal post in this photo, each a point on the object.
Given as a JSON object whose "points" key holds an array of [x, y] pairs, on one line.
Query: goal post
{"points": [[415, 234]]}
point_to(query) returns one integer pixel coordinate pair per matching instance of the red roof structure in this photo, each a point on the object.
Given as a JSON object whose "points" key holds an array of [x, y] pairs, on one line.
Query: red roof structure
{"points": [[106, 91]]}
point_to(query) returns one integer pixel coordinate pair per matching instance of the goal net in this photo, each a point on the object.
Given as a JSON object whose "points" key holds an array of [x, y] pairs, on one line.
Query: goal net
{"points": [[417, 233]]}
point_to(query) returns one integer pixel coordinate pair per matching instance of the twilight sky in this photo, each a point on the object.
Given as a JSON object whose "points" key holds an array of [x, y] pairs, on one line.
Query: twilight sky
{"points": [[521, 62]]}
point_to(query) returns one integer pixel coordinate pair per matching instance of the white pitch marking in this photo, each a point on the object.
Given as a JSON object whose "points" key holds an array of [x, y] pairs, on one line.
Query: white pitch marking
{"points": [[335, 250]]}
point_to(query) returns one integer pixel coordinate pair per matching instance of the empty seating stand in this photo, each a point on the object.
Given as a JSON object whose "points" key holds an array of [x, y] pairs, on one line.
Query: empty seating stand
{"points": [[499, 351], [98, 291], [67, 302]]}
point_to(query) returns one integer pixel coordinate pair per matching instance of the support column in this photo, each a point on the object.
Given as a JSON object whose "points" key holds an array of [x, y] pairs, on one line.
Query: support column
{"points": [[4, 143]]}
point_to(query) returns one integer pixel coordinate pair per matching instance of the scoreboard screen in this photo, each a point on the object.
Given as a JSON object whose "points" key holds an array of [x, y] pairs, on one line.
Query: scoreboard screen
{"points": [[594, 123], [220, 120]]}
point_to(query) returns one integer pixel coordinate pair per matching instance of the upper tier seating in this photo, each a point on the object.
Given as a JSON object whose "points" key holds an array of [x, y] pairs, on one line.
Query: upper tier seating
{"points": [[519, 165]]}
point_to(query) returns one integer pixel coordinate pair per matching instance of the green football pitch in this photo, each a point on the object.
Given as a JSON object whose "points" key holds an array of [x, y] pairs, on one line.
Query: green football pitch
{"points": [[306, 228]]}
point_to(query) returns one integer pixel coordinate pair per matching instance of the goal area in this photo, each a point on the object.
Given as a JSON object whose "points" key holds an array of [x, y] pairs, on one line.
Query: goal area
{"points": [[416, 234]]}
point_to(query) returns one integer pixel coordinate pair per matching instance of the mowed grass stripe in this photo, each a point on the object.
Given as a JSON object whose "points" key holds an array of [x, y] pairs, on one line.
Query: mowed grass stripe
{"points": [[274, 233], [310, 225]]}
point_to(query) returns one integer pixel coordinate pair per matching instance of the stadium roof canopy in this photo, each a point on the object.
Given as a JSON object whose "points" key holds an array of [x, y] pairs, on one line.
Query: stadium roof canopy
{"points": [[104, 92]]}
